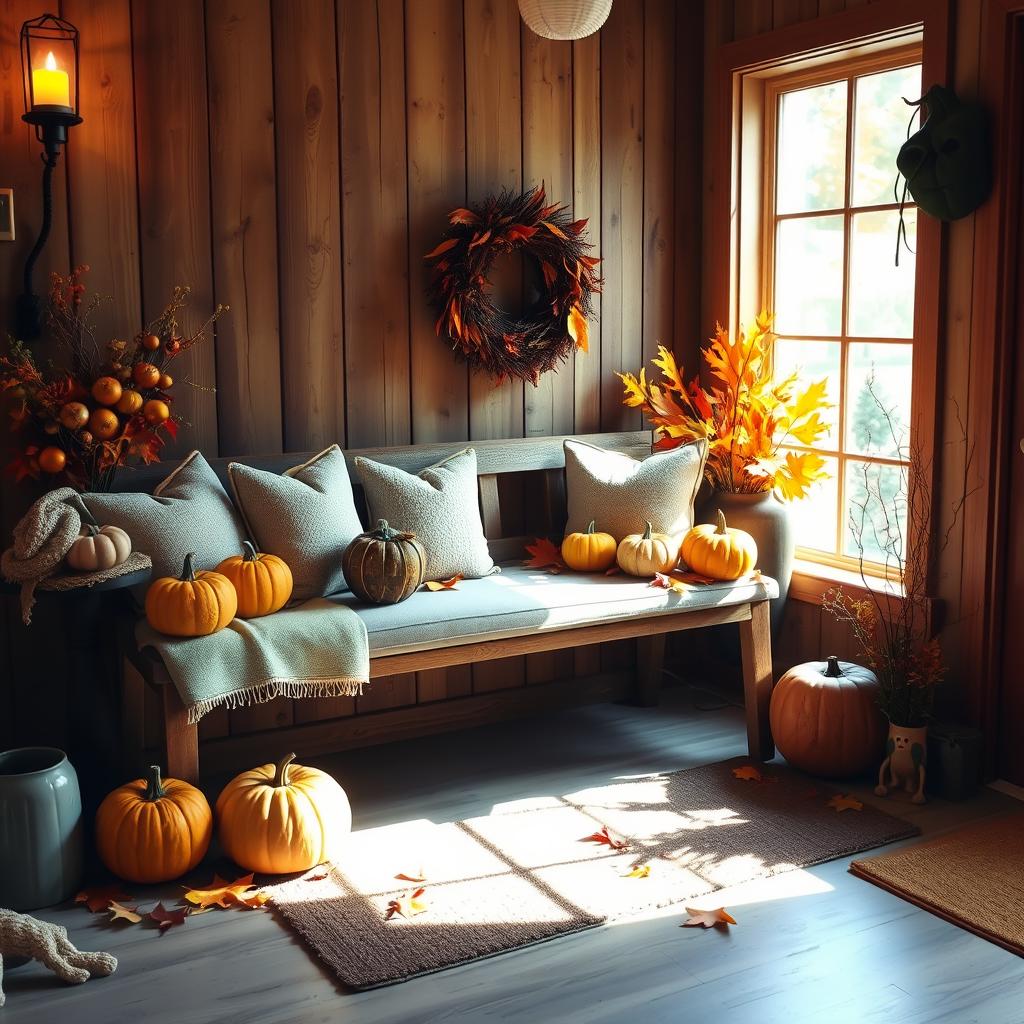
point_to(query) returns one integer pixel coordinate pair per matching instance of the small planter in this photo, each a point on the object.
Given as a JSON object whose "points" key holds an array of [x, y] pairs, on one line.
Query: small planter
{"points": [[40, 828], [905, 762]]}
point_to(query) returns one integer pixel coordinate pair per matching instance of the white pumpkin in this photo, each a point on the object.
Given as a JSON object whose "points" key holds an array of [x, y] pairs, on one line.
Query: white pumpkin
{"points": [[98, 548]]}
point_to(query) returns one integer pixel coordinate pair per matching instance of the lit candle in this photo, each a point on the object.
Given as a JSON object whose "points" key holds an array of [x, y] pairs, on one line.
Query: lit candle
{"points": [[50, 85]]}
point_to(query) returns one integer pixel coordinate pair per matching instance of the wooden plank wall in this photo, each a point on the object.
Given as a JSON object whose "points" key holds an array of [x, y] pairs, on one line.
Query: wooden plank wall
{"points": [[295, 159]]}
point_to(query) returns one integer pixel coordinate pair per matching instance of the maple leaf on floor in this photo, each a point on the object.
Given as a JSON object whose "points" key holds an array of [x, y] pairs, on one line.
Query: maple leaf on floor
{"points": [[640, 871], [319, 873], [605, 838], [707, 918], [167, 918], [747, 773], [407, 906], [412, 876], [845, 802], [99, 897], [545, 556], [225, 894], [451, 584], [119, 912]]}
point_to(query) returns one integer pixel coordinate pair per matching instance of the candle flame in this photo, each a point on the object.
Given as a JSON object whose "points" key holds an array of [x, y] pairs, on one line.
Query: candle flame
{"points": [[51, 62]]}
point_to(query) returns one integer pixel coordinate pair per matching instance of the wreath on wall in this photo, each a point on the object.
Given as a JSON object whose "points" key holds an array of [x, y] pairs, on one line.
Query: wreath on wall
{"points": [[559, 278]]}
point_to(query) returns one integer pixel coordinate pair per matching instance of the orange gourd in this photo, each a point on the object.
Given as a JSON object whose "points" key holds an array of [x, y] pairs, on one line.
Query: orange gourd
{"points": [[644, 554], [153, 829], [263, 583], [718, 551], [192, 604], [826, 720], [589, 551], [282, 818]]}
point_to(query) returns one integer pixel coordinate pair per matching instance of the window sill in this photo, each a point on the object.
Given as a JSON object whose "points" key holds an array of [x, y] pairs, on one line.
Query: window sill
{"points": [[811, 581]]}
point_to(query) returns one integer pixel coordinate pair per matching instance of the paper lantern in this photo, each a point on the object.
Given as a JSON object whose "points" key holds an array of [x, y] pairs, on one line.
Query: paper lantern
{"points": [[565, 19]]}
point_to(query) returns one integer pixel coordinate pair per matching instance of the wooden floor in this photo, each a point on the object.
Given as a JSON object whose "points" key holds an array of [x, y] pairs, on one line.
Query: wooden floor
{"points": [[816, 945]]}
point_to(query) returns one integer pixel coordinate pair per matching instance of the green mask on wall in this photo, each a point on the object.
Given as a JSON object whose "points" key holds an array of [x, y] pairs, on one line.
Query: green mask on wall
{"points": [[946, 163]]}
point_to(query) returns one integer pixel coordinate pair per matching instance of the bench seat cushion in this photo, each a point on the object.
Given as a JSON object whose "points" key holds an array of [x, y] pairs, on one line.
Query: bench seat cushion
{"points": [[521, 601]]}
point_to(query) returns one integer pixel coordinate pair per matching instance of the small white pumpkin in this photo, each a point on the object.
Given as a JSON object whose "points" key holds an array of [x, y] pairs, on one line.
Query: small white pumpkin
{"points": [[98, 548]]}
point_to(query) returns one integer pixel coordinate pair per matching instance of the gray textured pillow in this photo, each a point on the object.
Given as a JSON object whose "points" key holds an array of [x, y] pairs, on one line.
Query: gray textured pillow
{"points": [[188, 511], [621, 494], [439, 505], [307, 516]]}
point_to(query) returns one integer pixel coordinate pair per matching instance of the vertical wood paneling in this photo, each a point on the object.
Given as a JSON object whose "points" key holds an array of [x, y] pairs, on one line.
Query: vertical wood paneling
{"points": [[309, 223], [436, 126], [244, 222], [169, 51], [374, 212], [493, 162], [622, 207]]}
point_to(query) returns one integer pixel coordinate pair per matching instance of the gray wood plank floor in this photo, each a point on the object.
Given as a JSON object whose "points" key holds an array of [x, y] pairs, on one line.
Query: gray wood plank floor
{"points": [[811, 945]]}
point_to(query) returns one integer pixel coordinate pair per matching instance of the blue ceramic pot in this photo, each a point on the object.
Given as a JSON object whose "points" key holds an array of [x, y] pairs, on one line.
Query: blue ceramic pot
{"points": [[40, 828]]}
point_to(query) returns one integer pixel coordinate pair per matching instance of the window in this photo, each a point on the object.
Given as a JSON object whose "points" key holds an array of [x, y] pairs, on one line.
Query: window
{"points": [[843, 309]]}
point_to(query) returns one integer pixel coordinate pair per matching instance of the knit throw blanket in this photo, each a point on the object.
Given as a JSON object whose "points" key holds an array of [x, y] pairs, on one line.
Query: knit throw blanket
{"points": [[316, 649]]}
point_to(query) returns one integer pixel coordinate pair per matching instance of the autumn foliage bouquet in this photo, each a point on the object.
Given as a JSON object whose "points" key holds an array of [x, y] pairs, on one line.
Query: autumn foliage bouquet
{"points": [[108, 404], [749, 419]]}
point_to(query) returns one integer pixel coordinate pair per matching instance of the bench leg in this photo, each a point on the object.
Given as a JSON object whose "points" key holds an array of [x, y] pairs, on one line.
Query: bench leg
{"points": [[650, 657], [181, 739], [756, 648]]}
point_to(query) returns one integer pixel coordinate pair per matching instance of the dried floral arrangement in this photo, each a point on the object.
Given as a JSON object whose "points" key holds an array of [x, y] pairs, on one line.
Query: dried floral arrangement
{"points": [[749, 419], [459, 285], [897, 637], [108, 404]]}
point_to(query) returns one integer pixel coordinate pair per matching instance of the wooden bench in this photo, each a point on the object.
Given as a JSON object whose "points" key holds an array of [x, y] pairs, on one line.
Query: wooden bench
{"points": [[543, 458]]}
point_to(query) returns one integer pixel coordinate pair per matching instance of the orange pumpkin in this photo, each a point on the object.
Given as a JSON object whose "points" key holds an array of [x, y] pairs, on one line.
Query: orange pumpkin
{"points": [[263, 583], [130, 402], [825, 718], [52, 459], [107, 390], [283, 818], [192, 604], [589, 551], [104, 424], [153, 829], [156, 411], [145, 375]]}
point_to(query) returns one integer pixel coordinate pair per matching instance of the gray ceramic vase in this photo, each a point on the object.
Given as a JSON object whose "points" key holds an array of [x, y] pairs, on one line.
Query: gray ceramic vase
{"points": [[40, 828]]}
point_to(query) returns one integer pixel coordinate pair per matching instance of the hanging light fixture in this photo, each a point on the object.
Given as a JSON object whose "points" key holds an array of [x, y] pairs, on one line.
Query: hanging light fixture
{"points": [[565, 19], [49, 65]]}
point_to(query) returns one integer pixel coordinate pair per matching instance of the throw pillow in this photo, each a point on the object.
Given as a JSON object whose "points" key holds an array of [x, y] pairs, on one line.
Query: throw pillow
{"points": [[621, 494], [189, 511], [439, 505], [307, 516]]}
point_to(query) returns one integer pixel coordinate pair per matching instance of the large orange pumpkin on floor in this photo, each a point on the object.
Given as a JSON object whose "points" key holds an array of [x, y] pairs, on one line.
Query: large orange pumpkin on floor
{"points": [[282, 818], [153, 829], [826, 720]]}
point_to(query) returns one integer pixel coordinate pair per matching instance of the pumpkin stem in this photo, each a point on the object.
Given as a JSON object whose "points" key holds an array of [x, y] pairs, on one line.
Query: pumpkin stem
{"points": [[590, 528], [721, 527], [647, 531], [383, 531], [188, 571], [154, 787], [281, 775], [832, 669], [249, 553], [91, 529]]}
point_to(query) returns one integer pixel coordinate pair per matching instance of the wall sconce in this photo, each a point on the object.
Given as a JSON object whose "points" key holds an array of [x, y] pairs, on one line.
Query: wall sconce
{"points": [[49, 65]]}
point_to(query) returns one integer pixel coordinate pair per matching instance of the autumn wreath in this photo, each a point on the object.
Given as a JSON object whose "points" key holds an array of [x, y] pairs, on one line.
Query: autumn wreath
{"points": [[543, 334]]}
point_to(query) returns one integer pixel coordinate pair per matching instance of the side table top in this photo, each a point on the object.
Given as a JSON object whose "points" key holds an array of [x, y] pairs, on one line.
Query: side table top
{"points": [[136, 569]]}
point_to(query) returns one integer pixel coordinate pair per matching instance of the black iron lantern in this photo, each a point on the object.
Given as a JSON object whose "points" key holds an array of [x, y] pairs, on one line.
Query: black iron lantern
{"points": [[49, 66]]}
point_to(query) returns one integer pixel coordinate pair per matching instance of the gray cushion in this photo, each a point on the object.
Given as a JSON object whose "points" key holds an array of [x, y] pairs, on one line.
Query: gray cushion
{"points": [[307, 516], [621, 494], [439, 505], [521, 601], [188, 511]]}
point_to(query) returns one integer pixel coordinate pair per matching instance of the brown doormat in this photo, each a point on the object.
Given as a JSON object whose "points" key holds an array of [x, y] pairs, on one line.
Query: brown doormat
{"points": [[972, 876], [524, 873]]}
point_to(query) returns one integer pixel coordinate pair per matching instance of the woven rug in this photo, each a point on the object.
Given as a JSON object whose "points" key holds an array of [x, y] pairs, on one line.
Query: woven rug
{"points": [[524, 873], [972, 876]]}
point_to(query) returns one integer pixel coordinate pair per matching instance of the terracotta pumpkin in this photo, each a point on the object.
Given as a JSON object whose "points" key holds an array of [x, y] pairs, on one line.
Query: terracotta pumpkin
{"points": [[825, 718], [282, 818], [384, 566], [589, 551], [99, 547], [644, 554], [263, 583], [719, 551], [192, 604], [153, 829]]}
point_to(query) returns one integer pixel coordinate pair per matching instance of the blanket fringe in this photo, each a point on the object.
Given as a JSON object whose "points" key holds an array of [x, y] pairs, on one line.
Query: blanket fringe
{"points": [[266, 691]]}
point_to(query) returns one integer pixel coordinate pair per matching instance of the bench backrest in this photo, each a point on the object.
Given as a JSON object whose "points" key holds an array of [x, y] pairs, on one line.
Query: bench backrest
{"points": [[501, 506]]}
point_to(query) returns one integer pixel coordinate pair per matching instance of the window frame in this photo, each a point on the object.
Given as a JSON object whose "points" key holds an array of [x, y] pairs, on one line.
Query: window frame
{"points": [[841, 69]]}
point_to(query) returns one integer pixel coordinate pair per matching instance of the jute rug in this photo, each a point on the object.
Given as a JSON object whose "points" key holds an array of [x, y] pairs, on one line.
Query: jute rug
{"points": [[973, 876], [524, 873]]}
